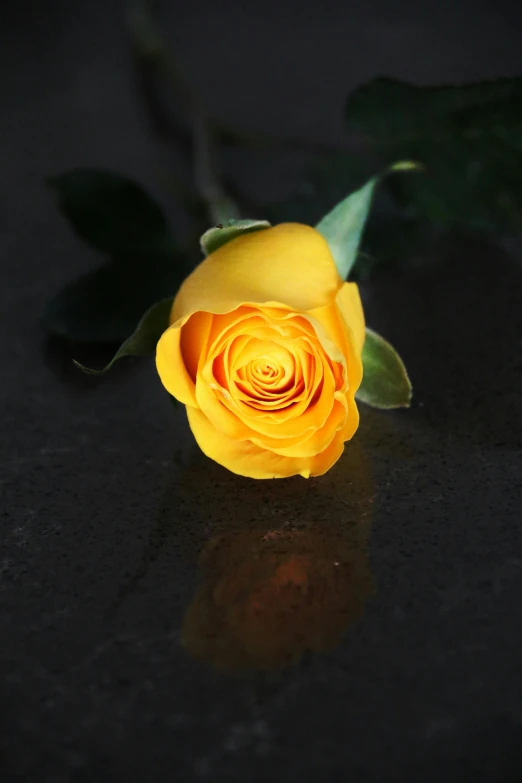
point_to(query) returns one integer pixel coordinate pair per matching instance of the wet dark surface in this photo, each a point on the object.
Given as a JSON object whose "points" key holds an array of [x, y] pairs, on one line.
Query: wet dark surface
{"points": [[147, 597]]}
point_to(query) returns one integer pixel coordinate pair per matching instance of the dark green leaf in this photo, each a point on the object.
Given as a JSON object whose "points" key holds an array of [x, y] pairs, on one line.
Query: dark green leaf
{"points": [[106, 304], [468, 137], [389, 110], [385, 381], [144, 339], [111, 213], [217, 236]]}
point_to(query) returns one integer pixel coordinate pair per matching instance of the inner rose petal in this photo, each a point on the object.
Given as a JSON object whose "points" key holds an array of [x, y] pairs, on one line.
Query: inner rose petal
{"points": [[248, 395], [299, 412], [309, 413], [257, 353], [268, 375], [245, 320], [264, 373]]}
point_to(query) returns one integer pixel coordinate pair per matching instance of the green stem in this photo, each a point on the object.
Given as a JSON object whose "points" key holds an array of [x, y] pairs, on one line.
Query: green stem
{"points": [[207, 175], [149, 48]]}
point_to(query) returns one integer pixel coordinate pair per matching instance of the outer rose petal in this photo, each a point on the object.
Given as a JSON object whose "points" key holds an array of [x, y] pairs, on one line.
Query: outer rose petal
{"points": [[246, 459], [333, 320], [291, 260], [349, 303], [316, 441], [352, 420], [171, 367], [186, 339]]}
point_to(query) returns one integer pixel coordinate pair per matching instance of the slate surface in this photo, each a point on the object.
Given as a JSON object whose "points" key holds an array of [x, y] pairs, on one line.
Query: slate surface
{"points": [[411, 547]]}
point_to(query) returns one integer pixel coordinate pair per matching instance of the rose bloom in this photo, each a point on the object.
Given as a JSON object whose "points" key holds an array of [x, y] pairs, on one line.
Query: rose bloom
{"points": [[264, 349]]}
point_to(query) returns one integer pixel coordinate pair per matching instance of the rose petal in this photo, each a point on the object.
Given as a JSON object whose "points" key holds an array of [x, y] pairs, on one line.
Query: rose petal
{"points": [[177, 354], [247, 459], [290, 258], [349, 303], [342, 334], [318, 440]]}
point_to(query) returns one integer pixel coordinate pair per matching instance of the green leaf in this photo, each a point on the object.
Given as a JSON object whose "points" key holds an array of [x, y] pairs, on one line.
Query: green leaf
{"points": [[385, 381], [219, 235], [343, 226], [110, 212], [469, 137], [105, 305], [144, 339]]}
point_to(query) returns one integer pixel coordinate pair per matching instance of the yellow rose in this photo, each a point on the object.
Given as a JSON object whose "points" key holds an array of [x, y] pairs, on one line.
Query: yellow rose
{"points": [[264, 349]]}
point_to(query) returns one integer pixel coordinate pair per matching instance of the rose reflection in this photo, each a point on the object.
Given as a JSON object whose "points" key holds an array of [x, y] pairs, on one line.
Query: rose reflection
{"points": [[270, 592]]}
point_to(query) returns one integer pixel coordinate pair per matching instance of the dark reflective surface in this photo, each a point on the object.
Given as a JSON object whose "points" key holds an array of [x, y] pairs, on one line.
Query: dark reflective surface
{"points": [[96, 583], [288, 580], [463, 305]]}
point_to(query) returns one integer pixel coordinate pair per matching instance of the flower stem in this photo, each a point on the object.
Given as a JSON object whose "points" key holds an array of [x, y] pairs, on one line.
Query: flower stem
{"points": [[154, 59]]}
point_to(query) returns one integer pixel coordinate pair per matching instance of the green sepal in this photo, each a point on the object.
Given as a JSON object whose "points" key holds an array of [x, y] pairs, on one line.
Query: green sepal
{"points": [[217, 236], [144, 339], [385, 382], [343, 226]]}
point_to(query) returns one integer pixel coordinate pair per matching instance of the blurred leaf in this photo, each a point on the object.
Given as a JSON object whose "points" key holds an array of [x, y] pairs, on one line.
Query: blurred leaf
{"points": [[144, 339], [110, 212], [217, 236], [106, 304], [469, 138], [385, 381], [390, 110], [343, 226]]}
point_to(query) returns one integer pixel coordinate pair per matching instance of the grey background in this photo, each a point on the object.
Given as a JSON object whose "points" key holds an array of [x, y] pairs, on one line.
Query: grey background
{"points": [[106, 501]]}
